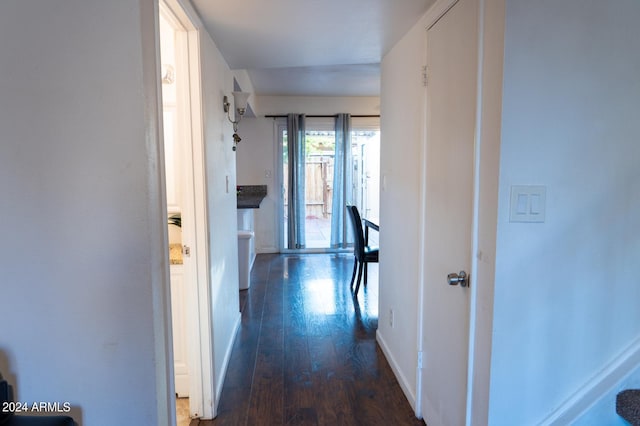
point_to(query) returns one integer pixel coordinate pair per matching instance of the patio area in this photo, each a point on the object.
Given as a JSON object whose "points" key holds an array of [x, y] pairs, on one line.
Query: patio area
{"points": [[318, 232]]}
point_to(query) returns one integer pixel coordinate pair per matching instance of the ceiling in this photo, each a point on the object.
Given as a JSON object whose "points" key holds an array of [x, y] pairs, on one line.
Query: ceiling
{"points": [[309, 47]]}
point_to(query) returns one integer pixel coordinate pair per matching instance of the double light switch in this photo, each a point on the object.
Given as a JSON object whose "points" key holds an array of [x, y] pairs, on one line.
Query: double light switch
{"points": [[528, 203]]}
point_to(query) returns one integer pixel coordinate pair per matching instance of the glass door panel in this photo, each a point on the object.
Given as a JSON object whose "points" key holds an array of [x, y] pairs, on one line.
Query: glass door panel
{"points": [[319, 177]]}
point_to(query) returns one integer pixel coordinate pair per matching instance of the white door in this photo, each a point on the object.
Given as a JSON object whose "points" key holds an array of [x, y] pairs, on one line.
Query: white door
{"points": [[179, 324], [174, 126], [449, 180], [191, 304]]}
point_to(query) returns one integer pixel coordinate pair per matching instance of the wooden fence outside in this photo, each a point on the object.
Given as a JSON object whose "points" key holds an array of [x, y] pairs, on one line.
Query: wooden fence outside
{"points": [[318, 187]]}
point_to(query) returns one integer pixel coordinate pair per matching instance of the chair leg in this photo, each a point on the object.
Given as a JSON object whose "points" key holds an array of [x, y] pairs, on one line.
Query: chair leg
{"points": [[359, 278], [355, 268], [366, 268]]}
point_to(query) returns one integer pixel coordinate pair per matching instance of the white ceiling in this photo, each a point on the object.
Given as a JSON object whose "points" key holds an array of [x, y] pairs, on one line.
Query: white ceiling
{"points": [[309, 47]]}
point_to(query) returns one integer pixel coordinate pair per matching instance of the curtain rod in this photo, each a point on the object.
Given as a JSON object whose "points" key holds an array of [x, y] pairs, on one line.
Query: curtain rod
{"points": [[325, 116]]}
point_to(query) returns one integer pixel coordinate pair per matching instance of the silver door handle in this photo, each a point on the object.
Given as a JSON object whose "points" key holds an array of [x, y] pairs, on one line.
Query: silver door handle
{"points": [[460, 278]]}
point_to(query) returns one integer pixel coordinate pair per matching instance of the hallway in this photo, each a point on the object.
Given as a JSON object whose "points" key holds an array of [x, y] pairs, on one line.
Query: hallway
{"points": [[306, 351]]}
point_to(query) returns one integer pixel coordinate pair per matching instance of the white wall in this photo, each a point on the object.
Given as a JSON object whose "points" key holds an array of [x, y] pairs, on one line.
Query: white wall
{"points": [[256, 156], [317, 105], [221, 199], [84, 258], [257, 152], [82, 255], [566, 291], [401, 128]]}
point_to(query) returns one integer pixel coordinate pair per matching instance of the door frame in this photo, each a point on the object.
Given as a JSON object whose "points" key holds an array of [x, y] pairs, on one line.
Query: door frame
{"points": [[479, 321], [202, 382]]}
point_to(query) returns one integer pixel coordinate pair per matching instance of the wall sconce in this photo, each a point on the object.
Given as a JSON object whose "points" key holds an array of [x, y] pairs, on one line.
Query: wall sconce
{"points": [[240, 102]]}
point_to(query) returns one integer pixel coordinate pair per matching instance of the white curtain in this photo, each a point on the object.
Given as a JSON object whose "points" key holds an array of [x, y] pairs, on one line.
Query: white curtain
{"points": [[342, 182], [297, 209]]}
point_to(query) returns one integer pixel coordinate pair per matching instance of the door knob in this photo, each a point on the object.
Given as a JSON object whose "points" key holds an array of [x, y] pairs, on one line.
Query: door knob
{"points": [[460, 278]]}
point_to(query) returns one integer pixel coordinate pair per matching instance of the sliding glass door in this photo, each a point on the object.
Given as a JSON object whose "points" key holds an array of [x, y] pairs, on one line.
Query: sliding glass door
{"points": [[357, 180]]}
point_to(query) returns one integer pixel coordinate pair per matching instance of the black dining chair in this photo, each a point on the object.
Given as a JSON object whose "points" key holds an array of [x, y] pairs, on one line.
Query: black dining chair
{"points": [[362, 253]]}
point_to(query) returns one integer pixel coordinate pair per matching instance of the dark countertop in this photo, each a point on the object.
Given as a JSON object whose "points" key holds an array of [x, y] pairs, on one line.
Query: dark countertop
{"points": [[247, 202], [250, 196]]}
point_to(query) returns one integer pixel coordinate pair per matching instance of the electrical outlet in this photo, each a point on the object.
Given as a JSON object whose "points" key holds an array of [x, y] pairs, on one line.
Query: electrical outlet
{"points": [[391, 315]]}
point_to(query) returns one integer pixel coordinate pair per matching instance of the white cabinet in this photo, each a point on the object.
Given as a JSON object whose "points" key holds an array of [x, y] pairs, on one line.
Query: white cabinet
{"points": [[246, 223], [179, 324]]}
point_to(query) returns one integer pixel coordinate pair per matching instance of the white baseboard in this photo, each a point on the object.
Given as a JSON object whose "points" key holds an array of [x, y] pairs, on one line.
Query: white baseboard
{"points": [[409, 393], [267, 250], [227, 358], [599, 385]]}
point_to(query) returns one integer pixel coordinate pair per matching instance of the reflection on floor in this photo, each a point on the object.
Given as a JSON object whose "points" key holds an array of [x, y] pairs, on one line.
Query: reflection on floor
{"points": [[182, 412], [306, 352]]}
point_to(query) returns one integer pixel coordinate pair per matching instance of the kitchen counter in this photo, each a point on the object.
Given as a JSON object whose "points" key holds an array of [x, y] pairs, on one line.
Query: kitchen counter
{"points": [[250, 196]]}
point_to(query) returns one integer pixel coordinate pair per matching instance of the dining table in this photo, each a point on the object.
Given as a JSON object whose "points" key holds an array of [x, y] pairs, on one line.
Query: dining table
{"points": [[370, 223]]}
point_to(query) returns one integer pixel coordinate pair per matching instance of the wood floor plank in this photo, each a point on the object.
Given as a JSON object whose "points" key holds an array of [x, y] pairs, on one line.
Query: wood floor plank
{"points": [[306, 353]]}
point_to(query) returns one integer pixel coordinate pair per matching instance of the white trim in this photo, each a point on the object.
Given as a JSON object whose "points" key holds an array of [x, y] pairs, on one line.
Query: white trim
{"points": [[267, 250], [188, 212], [402, 380], [161, 292], [227, 358], [185, 13], [591, 391], [475, 227], [201, 239], [422, 229]]}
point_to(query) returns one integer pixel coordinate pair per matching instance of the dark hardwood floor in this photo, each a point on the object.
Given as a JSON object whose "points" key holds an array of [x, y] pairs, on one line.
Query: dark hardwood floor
{"points": [[306, 352]]}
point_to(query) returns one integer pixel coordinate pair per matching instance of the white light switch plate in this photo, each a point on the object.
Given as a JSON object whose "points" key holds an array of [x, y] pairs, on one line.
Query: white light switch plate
{"points": [[528, 203]]}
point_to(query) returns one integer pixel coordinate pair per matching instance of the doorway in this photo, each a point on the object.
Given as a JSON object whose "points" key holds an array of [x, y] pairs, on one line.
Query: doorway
{"points": [[186, 208]]}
